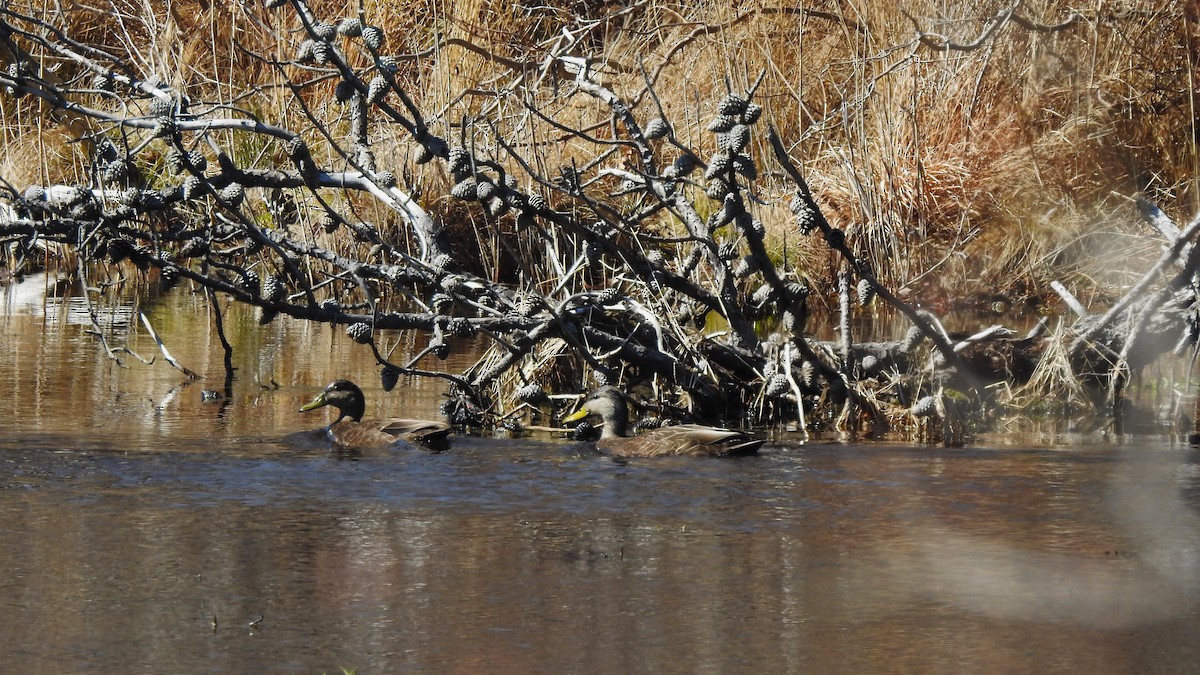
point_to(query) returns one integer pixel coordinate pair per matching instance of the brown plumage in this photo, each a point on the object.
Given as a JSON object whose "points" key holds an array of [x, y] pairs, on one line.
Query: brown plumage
{"points": [[608, 403], [349, 430]]}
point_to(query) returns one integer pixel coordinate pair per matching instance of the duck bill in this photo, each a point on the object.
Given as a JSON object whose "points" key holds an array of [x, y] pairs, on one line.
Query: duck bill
{"points": [[317, 402], [576, 416]]}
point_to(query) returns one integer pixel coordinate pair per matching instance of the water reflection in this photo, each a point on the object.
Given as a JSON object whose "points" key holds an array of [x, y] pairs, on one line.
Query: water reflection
{"points": [[145, 529]]}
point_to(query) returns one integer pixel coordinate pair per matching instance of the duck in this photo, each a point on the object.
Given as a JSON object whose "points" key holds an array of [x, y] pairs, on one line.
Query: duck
{"points": [[608, 404], [350, 431]]}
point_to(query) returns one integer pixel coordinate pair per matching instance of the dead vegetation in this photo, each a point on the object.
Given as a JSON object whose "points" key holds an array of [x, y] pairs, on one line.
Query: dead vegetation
{"points": [[648, 193]]}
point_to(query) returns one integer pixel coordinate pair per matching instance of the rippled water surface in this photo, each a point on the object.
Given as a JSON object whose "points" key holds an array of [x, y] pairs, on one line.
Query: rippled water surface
{"points": [[147, 530]]}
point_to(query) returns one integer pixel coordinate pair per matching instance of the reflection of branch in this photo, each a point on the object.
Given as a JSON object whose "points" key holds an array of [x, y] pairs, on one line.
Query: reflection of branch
{"points": [[219, 322]]}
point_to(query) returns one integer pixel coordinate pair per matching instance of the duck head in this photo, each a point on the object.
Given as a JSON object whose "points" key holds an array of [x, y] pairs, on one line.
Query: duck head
{"points": [[607, 403], [343, 395]]}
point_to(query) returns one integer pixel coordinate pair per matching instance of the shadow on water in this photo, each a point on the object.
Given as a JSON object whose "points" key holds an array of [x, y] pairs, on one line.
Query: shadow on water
{"points": [[147, 529]]}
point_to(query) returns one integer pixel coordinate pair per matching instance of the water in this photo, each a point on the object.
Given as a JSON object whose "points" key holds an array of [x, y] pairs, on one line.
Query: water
{"points": [[147, 530]]}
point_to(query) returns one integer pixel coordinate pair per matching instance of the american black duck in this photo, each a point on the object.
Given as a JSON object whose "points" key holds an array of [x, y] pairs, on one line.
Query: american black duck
{"points": [[350, 430], [608, 404]]}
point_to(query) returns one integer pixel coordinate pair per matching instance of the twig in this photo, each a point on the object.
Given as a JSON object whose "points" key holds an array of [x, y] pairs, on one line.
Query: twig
{"points": [[163, 348], [1072, 302]]}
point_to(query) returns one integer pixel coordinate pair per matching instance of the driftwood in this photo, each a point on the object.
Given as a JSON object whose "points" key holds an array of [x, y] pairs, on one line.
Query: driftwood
{"points": [[600, 282]]}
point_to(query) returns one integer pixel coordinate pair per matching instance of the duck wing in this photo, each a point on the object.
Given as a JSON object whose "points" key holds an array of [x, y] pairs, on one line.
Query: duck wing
{"points": [[426, 432], [684, 439], [350, 435]]}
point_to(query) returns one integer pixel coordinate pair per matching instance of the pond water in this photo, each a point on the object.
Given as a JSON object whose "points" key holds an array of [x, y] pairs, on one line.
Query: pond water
{"points": [[145, 529]]}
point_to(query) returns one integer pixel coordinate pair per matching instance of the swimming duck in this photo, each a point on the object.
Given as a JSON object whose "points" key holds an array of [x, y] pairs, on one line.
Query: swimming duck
{"points": [[349, 430], [608, 403]]}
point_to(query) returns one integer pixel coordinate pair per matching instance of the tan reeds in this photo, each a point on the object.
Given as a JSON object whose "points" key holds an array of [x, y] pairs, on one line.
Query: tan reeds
{"points": [[1054, 389], [995, 165]]}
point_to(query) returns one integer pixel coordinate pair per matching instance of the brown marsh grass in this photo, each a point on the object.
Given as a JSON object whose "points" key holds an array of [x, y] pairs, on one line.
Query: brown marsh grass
{"points": [[993, 169]]}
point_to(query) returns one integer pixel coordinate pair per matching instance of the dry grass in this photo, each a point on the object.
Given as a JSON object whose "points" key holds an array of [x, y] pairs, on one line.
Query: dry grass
{"points": [[1000, 168], [1054, 390]]}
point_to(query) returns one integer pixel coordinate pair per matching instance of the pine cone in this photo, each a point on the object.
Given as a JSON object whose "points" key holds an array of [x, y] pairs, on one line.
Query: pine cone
{"points": [[271, 289], [373, 37], [360, 333], [912, 338], [607, 296], [806, 219], [751, 114], [423, 154], [388, 377], [926, 407], [194, 248], [745, 167], [745, 267], [162, 106], [441, 303], [345, 91], [350, 27], [174, 161], [168, 278], [738, 138], [532, 394], [465, 189], [320, 52], [537, 202], [721, 124], [762, 295], [866, 292], [377, 89], [717, 189], [808, 374], [251, 283], [324, 30], [233, 194], [585, 431], [461, 326], [385, 179], [458, 162], [684, 164], [732, 105], [304, 53], [777, 386], [34, 193], [718, 165], [657, 128], [197, 159]]}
